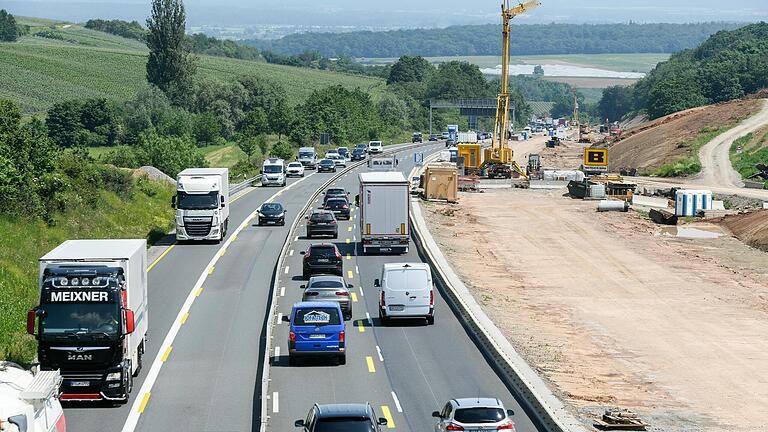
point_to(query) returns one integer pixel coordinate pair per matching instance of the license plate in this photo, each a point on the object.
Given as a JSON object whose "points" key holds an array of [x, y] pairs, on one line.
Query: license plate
{"points": [[323, 260], [317, 336], [80, 384], [397, 308]]}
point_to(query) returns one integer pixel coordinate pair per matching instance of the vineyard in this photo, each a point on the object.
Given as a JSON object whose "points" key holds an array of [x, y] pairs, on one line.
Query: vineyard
{"points": [[40, 71]]}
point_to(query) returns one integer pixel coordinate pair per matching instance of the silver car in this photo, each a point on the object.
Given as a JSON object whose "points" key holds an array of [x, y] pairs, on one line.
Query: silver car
{"points": [[328, 288], [474, 414]]}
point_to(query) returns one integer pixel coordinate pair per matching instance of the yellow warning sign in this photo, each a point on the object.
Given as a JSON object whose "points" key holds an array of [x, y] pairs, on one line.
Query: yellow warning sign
{"points": [[596, 158]]}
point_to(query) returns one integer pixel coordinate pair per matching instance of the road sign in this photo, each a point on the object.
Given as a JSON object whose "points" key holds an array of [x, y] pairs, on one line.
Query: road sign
{"points": [[418, 159], [596, 159]]}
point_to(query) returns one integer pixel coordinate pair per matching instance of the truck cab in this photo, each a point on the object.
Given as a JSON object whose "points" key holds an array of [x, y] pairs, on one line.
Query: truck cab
{"points": [[91, 322], [273, 172], [308, 157], [201, 204], [29, 402]]}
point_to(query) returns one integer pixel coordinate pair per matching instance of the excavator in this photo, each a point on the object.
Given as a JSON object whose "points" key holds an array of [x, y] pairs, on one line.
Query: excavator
{"points": [[498, 160]]}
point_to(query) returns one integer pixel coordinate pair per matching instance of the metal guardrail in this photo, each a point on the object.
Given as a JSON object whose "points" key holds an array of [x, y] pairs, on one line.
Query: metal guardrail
{"points": [[240, 186]]}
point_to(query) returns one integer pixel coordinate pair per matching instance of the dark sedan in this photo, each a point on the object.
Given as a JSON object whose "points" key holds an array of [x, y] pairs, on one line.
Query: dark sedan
{"points": [[433, 137], [358, 154], [326, 165], [271, 214], [322, 222], [339, 207], [323, 258]]}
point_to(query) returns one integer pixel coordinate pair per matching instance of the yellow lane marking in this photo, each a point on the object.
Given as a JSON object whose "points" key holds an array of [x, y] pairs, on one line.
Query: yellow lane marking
{"points": [[350, 275], [162, 255], [234, 237], [354, 297], [388, 415], [360, 326], [167, 352], [223, 251], [349, 257], [210, 272], [371, 367], [184, 318], [199, 291], [348, 241], [349, 229], [144, 402]]}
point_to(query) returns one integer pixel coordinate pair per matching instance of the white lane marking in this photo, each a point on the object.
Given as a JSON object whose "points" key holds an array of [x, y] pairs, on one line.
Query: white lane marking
{"points": [[275, 402], [357, 270], [277, 352], [397, 402], [296, 239], [154, 371], [361, 291], [279, 320], [354, 238], [378, 350], [290, 253], [368, 317], [287, 268], [282, 291]]}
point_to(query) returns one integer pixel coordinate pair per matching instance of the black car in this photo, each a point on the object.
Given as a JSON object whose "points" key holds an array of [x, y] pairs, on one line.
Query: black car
{"points": [[433, 137], [344, 152], [326, 165], [322, 258], [322, 222], [335, 192], [271, 214], [417, 137], [358, 154], [339, 207], [341, 417]]}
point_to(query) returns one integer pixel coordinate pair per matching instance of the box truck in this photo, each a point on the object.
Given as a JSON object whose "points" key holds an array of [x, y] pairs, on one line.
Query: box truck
{"points": [[201, 204], [273, 172], [308, 157], [91, 322], [384, 203]]}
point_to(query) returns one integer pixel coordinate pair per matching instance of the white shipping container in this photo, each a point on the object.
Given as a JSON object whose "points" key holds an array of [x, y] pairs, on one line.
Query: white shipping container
{"points": [[689, 202], [384, 202], [467, 137]]}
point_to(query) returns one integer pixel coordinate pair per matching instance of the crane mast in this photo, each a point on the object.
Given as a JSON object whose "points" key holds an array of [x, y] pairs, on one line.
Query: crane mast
{"points": [[500, 150]]}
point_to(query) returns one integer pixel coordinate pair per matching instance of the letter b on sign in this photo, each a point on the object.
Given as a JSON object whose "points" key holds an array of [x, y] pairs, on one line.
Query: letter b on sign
{"points": [[596, 157]]}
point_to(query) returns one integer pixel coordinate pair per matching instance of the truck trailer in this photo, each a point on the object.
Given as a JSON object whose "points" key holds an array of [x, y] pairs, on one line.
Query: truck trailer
{"points": [[92, 319], [201, 204], [384, 203]]}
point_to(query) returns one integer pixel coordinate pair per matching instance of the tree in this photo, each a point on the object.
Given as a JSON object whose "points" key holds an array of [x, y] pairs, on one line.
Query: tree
{"points": [[170, 66], [347, 115], [538, 71], [282, 150], [249, 145], [409, 69], [393, 111], [673, 95], [9, 30], [206, 129], [63, 123], [615, 103], [170, 155], [457, 80]]}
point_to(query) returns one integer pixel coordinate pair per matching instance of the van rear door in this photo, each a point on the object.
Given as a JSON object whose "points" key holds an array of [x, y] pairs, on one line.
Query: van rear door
{"points": [[407, 292]]}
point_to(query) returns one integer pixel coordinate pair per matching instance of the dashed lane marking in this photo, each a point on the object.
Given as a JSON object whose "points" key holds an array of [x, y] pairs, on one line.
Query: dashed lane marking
{"points": [[282, 291], [287, 268], [360, 326], [144, 401], [290, 253], [167, 353], [279, 317], [371, 366], [354, 298], [275, 402], [184, 317], [397, 403], [198, 292], [388, 415], [350, 275], [378, 351], [361, 291]]}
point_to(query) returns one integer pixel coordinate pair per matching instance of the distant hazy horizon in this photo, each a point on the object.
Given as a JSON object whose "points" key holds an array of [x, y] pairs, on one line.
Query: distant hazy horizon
{"points": [[397, 13]]}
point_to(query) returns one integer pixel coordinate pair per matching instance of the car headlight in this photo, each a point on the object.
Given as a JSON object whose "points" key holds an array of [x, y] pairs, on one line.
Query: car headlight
{"points": [[114, 376]]}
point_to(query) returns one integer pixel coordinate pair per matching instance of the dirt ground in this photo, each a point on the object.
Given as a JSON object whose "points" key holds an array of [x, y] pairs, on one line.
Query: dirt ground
{"points": [[660, 141], [613, 314], [751, 228]]}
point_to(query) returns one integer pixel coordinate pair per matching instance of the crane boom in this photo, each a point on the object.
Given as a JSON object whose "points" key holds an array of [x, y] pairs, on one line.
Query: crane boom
{"points": [[500, 151]]}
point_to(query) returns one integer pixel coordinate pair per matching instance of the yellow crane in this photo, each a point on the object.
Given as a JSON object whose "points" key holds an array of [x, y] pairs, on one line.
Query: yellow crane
{"points": [[500, 152]]}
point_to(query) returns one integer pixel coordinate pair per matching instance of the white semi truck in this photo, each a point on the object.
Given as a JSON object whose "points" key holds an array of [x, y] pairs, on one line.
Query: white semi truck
{"points": [[384, 203], [92, 319], [201, 203], [30, 402]]}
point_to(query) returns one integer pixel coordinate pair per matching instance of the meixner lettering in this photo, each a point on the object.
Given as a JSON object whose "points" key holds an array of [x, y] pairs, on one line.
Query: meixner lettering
{"points": [[79, 296]]}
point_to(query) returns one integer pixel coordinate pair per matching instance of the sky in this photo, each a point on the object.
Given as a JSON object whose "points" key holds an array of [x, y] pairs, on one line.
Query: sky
{"points": [[401, 13]]}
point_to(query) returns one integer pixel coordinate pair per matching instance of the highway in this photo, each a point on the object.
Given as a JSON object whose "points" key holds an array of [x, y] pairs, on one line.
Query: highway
{"points": [[406, 371]]}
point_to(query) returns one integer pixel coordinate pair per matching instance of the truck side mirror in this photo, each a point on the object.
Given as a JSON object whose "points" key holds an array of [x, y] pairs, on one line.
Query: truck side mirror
{"points": [[130, 325], [222, 202], [173, 201], [31, 321], [377, 283]]}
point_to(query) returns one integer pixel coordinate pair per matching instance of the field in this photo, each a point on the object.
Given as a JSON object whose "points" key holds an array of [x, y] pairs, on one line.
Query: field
{"points": [[612, 62], [38, 72]]}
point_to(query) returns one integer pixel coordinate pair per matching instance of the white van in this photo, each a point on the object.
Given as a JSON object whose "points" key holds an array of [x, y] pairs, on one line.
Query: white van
{"points": [[406, 291], [273, 172], [375, 147]]}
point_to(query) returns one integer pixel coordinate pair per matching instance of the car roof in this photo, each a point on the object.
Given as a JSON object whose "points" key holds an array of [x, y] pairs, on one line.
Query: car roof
{"points": [[315, 304], [398, 266], [322, 278], [342, 410], [478, 403], [314, 245], [295, 163]]}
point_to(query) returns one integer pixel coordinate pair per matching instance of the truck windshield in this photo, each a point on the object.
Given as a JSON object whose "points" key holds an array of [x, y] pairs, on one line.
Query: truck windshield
{"points": [[80, 319], [273, 169], [198, 201], [306, 155]]}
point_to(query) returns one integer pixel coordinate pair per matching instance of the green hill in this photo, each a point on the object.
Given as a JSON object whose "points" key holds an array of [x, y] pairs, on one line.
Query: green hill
{"points": [[75, 62]]}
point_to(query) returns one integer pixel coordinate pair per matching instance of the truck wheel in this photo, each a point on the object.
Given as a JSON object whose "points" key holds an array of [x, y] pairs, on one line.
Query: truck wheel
{"points": [[140, 359], [342, 359]]}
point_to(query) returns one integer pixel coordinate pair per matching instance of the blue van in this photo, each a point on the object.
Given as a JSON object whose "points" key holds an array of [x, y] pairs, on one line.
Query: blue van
{"points": [[317, 329]]}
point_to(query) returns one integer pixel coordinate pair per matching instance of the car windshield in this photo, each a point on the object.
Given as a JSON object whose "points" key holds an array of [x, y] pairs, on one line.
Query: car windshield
{"points": [[327, 284], [317, 316], [80, 319], [344, 424], [322, 217], [295, 165], [326, 162], [273, 169], [479, 415], [336, 202], [407, 279], [324, 251], [207, 201], [271, 208], [336, 191]]}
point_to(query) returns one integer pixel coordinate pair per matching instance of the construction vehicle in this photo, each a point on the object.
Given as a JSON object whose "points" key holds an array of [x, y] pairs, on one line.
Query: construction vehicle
{"points": [[533, 170]]}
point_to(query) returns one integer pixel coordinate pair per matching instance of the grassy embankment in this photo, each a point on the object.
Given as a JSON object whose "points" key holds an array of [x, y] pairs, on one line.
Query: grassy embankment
{"points": [[691, 164], [143, 213], [754, 150]]}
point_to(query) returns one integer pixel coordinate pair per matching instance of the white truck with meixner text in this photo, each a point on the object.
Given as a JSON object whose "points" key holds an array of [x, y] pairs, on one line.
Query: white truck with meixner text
{"points": [[273, 172], [201, 206], [92, 319]]}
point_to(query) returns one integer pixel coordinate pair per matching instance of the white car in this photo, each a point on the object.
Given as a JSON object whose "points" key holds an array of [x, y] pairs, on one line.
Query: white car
{"points": [[294, 169], [405, 291], [338, 159], [375, 147], [474, 414]]}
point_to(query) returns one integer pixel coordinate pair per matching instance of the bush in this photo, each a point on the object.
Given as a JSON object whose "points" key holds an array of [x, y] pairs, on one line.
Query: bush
{"points": [[282, 150]]}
